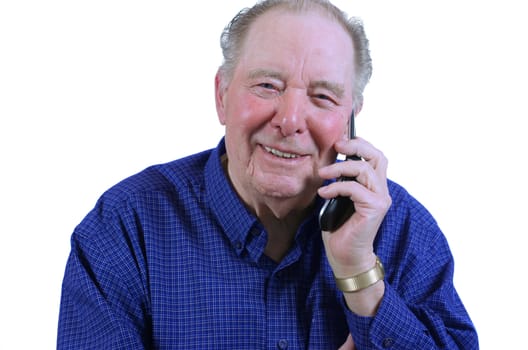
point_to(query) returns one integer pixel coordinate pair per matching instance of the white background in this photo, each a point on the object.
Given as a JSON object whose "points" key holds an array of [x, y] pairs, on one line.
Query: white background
{"points": [[94, 91]]}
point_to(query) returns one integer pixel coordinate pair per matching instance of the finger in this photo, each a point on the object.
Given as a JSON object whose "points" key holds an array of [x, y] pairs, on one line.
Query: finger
{"points": [[351, 189], [365, 150], [370, 155], [365, 201], [360, 171]]}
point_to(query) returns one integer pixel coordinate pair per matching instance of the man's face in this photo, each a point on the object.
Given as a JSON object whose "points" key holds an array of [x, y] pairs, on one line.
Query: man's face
{"points": [[286, 105]]}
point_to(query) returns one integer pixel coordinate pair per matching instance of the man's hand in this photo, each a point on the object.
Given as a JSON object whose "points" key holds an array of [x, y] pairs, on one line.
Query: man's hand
{"points": [[350, 248]]}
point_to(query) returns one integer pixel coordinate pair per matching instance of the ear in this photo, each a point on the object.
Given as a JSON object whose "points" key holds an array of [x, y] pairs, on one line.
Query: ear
{"points": [[220, 89], [356, 108], [358, 105]]}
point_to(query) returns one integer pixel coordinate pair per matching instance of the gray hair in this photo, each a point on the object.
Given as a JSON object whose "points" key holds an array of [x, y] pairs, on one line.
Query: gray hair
{"points": [[234, 34]]}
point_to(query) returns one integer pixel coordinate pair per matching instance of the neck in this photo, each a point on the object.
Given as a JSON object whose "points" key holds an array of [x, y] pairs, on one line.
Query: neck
{"points": [[281, 217], [281, 230]]}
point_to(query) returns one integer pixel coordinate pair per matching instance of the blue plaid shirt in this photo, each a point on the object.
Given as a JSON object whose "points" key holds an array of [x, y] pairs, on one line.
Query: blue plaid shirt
{"points": [[171, 259]]}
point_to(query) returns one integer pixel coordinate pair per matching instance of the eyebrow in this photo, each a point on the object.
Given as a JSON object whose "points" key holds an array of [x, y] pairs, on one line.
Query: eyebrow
{"points": [[259, 73]]}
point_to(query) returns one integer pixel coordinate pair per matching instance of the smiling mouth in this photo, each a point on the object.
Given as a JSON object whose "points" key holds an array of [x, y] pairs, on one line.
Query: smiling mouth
{"points": [[281, 154]]}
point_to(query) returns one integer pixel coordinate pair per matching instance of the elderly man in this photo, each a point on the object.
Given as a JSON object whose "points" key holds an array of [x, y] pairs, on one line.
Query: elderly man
{"points": [[224, 249]]}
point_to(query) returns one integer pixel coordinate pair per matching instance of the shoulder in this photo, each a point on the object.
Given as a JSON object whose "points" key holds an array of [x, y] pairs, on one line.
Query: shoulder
{"points": [[148, 193], [169, 178], [408, 225], [405, 207]]}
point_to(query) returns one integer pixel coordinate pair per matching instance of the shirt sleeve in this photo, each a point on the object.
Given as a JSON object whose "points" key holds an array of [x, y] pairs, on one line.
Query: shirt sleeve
{"points": [[102, 304], [421, 308]]}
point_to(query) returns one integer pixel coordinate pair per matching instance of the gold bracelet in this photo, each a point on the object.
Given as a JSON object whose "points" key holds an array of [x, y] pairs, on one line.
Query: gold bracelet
{"points": [[363, 280]]}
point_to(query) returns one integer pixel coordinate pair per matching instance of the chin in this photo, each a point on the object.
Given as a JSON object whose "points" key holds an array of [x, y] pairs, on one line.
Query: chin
{"points": [[281, 187]]}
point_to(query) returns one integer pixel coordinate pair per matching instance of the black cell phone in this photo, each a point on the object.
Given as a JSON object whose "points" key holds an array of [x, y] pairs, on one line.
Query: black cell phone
{"points": [[337, 210]]}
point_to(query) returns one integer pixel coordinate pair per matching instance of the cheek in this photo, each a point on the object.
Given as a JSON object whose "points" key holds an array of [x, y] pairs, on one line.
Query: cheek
{"points": [[244, 117], [247, 113], [327, 131]]}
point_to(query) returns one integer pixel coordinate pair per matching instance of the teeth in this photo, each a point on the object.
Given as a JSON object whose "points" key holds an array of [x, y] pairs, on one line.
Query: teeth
{"points": [[280, 154]]}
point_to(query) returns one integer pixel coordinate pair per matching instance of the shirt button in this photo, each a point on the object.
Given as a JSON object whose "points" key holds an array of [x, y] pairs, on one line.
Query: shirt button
{"points": [[388, 343], [282, 344], [238, 245]]}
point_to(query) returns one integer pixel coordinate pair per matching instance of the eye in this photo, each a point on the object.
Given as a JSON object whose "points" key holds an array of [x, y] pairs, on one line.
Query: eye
{"points": [[267, 86], [324, 100], [266, 89], [323, 97]]}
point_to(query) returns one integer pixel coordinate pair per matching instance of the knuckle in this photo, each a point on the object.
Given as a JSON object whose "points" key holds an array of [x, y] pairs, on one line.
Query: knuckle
{"points": [[383, 203], [388, 202], [384, 160]]}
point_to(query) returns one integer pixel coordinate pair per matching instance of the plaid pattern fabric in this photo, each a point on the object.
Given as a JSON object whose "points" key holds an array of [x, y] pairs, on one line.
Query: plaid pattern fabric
{"points": [[171, 259]]}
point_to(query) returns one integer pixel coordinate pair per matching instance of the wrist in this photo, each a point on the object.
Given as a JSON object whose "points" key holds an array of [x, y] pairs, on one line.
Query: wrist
{"points": [[359, 281], [360, 264]]}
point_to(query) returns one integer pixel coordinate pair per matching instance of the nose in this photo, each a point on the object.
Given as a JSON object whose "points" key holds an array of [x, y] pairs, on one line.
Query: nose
{"points": [[290, 118]]}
